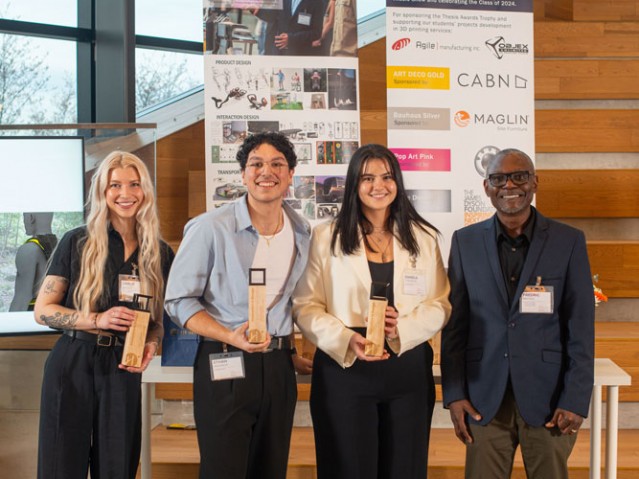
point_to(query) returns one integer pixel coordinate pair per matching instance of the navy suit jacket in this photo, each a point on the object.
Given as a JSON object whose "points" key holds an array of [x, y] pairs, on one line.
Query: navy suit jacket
{"points": [[300, 36], [549, 357]]}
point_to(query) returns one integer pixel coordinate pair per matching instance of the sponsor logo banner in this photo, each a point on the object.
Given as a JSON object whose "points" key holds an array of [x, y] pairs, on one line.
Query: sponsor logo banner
{"points": [[429, 78], [406, 118], [423, 159], [430, 201]]}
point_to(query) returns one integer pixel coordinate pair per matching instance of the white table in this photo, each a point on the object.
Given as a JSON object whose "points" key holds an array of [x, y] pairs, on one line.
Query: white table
{"points": [[610, 376], [607, 374], [154, 374]]}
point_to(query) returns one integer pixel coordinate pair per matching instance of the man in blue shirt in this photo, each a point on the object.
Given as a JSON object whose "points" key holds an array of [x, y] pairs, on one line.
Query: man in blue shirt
{"points": [[244, 393]]}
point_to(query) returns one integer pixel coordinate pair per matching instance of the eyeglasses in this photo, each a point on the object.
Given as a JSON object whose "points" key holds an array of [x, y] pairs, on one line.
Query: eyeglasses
{"points": [[275, 165], [517, 177]]}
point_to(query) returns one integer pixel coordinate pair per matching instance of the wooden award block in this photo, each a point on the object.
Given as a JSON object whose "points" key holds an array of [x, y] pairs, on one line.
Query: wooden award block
{"points": [[257, 331], [375, 327], [136, 336]]}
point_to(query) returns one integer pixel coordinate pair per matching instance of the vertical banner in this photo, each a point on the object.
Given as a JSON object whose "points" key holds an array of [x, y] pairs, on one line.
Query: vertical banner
{"points": [[287, 66], [460, 89]]}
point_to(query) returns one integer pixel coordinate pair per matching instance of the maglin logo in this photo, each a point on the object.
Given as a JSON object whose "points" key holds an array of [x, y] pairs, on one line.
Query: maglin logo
{"points": [[462, 118], [401, 43]]}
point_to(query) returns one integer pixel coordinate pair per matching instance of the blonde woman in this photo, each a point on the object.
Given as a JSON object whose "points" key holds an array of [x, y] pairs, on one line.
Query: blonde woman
{"points": [[90, 410]]}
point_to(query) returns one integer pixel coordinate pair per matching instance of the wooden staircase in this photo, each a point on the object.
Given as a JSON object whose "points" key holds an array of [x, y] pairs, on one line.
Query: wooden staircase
{"points": [[175, 454]]}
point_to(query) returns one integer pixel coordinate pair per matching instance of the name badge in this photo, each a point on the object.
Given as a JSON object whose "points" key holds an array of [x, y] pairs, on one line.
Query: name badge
{"points": [[129, 285], [226, 366], [304, 19], [537, 299], [414, 282]]}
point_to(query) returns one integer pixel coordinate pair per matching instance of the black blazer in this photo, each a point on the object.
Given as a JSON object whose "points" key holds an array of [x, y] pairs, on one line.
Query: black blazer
{"points": [[549, 357], [300, 36]]}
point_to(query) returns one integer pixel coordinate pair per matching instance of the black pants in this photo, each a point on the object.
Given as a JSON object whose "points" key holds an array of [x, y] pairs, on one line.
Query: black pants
{"points": [[244, 425], [372, 420], [90, 414]]}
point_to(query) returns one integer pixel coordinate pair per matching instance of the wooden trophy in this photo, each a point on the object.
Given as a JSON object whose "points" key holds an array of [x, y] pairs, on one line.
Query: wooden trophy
{"points": [[257, 305], [136, 336], [376, 319]]}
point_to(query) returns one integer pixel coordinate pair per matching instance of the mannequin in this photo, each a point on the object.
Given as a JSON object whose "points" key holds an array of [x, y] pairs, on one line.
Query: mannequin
{"points": [[31, 259]]}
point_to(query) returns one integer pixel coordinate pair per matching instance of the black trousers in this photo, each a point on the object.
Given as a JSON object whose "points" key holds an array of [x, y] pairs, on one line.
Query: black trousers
{"points": [[244, 425], [372, 420], [90, 416]]}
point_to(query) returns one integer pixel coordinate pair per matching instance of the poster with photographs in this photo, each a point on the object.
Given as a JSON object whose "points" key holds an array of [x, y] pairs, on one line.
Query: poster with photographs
{"points": [[460, 88], [269, 69]]}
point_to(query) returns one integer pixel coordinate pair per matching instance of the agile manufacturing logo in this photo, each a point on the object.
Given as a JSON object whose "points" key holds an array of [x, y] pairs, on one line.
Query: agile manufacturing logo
{"points": [[500, 47], [401, 43]]}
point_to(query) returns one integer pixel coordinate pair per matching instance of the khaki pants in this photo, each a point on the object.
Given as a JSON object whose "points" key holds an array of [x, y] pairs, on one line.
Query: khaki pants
{"points": [[490, 456]]}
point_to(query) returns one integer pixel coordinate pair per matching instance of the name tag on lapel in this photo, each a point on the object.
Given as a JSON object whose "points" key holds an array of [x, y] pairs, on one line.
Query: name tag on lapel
{"points": [[537, 299]]}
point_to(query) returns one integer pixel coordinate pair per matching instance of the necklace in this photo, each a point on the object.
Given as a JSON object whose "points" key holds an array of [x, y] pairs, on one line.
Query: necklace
{"points": [[268, 238], [383, 250]]}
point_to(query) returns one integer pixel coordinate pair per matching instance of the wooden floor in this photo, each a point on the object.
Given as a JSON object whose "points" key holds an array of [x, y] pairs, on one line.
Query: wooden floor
{"points": [[175, 454]]}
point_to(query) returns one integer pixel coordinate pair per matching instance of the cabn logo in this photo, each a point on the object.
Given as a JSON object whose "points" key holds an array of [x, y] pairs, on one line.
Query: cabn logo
{"points": [[491, 80]]}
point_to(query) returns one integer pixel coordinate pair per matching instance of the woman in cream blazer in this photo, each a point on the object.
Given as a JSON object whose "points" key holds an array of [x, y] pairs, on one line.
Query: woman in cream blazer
{"points": [[371, 415]]}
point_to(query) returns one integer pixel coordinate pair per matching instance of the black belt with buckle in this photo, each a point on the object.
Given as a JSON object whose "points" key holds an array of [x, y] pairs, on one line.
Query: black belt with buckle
{"points": [[281, 342], [277, 343], [103, 340]]}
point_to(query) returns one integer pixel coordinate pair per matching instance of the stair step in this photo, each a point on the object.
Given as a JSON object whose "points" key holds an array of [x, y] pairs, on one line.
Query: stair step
{"points": [[175, 454]]}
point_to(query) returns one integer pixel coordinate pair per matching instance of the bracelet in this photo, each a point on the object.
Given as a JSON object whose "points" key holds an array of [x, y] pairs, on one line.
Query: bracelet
{"points": [[95, 321]]}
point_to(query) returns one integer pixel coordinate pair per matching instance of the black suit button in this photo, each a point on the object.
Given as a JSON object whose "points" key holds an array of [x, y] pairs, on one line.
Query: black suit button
{"points": [[511, 324]]}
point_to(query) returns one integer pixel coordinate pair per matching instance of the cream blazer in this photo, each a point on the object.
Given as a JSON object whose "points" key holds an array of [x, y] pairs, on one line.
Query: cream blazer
{"points": [[332, 295]]}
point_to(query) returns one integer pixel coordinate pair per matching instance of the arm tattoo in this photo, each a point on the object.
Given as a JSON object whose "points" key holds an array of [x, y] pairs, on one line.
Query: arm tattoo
{"points": [[50, 287], [61, 320]]}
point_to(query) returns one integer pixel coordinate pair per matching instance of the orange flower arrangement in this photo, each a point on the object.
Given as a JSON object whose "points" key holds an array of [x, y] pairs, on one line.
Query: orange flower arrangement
{"points": [[599, 295]]}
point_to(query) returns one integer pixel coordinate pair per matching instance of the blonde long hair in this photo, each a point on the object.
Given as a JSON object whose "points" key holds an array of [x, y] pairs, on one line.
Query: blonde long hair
{"points": [[91, 286]]}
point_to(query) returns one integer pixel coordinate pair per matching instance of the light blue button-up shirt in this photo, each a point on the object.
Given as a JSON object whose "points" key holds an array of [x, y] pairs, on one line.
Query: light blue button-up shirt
{"points": [[210, 270]]}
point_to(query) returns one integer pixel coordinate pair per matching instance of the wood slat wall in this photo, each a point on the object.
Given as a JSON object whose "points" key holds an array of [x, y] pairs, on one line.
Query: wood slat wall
{"points": [[617, 264], [589, 193], [586, 79], [559, 9], [177, 155], [581, 131], [606, 10], [586, 39], [592, 10]]}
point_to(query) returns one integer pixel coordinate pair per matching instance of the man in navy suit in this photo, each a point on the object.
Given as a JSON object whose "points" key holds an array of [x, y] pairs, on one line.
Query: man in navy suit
{"points": [[291, 31], [518, 352]]}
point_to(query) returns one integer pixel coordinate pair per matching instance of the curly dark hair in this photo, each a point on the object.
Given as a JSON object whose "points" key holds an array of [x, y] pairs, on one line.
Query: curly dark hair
{"points": [[351, 222], [278, 141]]}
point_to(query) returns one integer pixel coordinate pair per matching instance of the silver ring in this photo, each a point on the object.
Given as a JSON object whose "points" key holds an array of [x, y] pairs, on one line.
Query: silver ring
{"points": [[573, 431]]}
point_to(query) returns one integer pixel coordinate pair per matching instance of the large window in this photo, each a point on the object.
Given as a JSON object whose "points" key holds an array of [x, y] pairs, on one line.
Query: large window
{"points": [[161, 75], [37, 80], [53, 12], [177, 19]]}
